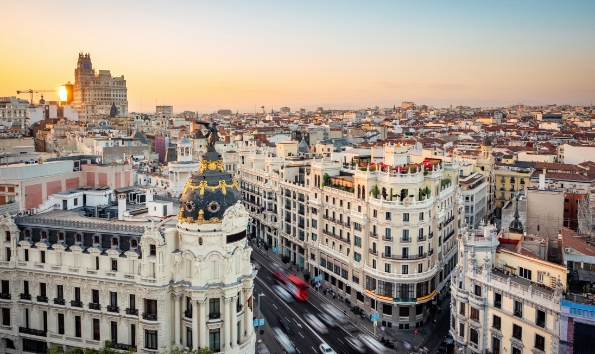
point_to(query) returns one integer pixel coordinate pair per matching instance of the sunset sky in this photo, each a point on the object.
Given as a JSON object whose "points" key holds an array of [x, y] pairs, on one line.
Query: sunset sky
{"points": [[206, 55]]}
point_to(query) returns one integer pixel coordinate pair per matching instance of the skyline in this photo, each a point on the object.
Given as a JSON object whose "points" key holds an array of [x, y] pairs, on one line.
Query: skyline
{"points": [[236, 55]]}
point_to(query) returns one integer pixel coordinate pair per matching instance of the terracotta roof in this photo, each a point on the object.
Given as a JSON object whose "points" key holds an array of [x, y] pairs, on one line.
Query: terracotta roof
{"points": [[570, 239]]}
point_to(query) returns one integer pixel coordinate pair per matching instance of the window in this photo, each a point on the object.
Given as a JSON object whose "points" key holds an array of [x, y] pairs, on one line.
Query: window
{"points": [[150, 339], [132, 301], [151, 307], [462, 330], [420, 268], [495, 345], [42, 289], [404, 311], [133, 243], [421, 216], [26, 287], [374, 264], [152, 250], [517, 331], [539, 342], [462, 308], [214, 307], [496, 322], [133, 335], [42, 256], [5, 317], [357, 241], [77, 326], [95, 296], [388, 216], [518, 309], [375, 213], [404, 269], [26, 255], [387, 267], [188, 337], [524, 273], [114, 265], [114, 331], [96, 334], [405, 216], [474, 314], [5, 287], [405, 235], [96, 263], [473, 337], [215, 339], [497, 300], [60, 291], [477, 290], [357, 257], [60, 323], [540, 318], [387, 233], [113, 298]]}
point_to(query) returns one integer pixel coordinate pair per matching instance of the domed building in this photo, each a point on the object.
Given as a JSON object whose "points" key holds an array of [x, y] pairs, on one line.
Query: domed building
{"points": [[184, 282]]}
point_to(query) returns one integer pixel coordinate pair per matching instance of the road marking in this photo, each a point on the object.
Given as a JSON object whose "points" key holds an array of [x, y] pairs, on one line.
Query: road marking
{"points": [[275, 307], [314, 350], [300, 333], [340, 341], [297, 350]]}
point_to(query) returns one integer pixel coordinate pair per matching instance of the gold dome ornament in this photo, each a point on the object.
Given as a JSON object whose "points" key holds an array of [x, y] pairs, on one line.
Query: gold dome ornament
{"points": [[211, 165], [204, 185]]}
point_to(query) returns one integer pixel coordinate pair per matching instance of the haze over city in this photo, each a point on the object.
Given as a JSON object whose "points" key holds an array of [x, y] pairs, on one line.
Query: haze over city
{"points": [[202, 56]]}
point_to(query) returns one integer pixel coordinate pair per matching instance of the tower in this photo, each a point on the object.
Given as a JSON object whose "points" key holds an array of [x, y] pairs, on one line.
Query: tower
{"points": [[213, 258], [184, 150]]}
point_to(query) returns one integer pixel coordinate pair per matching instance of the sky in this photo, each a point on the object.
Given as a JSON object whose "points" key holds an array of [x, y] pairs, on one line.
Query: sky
{"points": [[208, 55]]}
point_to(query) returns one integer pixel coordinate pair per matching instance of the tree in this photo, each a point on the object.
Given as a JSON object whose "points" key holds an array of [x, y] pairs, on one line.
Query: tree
{"points": [[325, 179], [285, 259], [306, 277], [375, 191]]}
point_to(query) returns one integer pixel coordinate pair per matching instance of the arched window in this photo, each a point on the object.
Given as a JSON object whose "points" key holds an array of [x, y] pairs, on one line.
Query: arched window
{"points": [[133, 243], [78, 238], [27, 234], [61, 236], [44, 235], [115, 242], [200, 241]]}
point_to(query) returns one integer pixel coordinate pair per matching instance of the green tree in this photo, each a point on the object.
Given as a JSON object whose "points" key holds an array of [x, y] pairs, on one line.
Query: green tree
{"points": [[285, 259], [306, 277], [325, 179], [375, 191]]}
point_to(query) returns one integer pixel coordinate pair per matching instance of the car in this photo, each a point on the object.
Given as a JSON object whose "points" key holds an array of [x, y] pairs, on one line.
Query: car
{"points": [[355, 344], [286, 325], [372, 343], [326, 349], [283, 340], [315, 322], [282, 293], [328, 320], [334, 313], [448, 340]]}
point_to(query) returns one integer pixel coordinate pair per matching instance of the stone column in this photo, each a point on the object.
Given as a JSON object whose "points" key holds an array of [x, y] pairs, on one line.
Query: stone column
{"points": [[177, 299], [248, 316], [203, 323], [234, 322], [195, 321], [227, 322]]}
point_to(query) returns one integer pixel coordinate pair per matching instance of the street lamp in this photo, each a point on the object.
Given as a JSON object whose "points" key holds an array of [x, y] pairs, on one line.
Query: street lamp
{"points": [[258, 321]]}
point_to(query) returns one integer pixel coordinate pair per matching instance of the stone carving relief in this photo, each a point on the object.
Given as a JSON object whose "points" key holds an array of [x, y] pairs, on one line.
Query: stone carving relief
{"points": [[234, 218]]}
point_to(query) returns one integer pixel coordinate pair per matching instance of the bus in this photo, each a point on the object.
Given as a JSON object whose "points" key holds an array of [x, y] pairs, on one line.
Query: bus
{"points": [[294, 285]]}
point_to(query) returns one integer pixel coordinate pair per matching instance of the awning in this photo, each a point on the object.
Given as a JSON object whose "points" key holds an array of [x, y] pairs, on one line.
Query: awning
{"points": [[586, 276], [125, 189]]}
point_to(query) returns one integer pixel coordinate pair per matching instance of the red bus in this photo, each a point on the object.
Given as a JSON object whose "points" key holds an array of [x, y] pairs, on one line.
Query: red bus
{"points": [[294, 285]]}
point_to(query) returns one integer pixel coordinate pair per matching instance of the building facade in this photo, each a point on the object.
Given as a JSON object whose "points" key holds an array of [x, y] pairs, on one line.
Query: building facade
{"points": [[505, 299], [381, 238], [95, 93], [71, 281]]}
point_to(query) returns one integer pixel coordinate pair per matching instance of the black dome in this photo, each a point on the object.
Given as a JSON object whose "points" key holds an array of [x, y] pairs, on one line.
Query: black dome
{"points": [[210, 190]]}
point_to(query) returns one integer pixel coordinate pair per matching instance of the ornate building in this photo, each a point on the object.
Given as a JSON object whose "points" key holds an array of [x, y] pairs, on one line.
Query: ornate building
{"points": [[72, 281], [96, 95]]}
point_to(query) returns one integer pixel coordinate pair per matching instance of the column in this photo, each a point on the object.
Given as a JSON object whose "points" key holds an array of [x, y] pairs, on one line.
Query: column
{"points": [[249, 326], [177, 298], [243, 319], [234, 322], [227, 322], [195, 321], [203, 323]]}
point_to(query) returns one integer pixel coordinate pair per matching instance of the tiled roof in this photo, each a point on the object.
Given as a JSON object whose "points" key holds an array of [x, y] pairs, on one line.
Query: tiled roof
{"points": [[570, 239]]}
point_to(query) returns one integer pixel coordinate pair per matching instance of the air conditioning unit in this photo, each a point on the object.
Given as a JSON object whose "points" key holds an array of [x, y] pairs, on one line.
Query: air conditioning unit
{"points": [[567, 249], [32, 211], [20, 213], [27, 212]]}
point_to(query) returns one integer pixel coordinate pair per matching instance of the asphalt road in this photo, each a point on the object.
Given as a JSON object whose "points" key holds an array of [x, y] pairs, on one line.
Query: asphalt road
{"points": [[305, 339]]}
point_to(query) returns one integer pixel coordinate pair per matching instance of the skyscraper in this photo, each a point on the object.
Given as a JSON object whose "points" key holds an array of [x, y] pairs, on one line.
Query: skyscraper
{"points": [[96, 92]]}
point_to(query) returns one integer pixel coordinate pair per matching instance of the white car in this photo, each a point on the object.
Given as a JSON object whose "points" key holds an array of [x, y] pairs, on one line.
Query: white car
{"points": [[335, 313], [328, 320], [326, 349], [315, 322], [372, 343], [282, 293], [283, 340]]}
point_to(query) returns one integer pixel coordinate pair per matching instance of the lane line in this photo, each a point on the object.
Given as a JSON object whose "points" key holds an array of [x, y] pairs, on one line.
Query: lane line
{"points": [[275, 307], [300, 333], [314, 350], [340, 341]]}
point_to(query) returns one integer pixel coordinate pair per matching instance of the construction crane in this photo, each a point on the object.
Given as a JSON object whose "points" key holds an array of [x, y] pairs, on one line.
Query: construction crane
{"points": [[31, 92]]}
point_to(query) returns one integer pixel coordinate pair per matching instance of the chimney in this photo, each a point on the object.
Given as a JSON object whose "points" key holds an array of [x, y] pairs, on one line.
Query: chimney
{"points": [[149, 196], [121, 205], [542, 181]]}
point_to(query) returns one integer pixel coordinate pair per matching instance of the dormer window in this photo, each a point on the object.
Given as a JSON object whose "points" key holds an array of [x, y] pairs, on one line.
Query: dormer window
{"points": [[96, 240], [133, 244], [78, 238], [27, 234], [44, 235], [61, 236], [115, 242]]}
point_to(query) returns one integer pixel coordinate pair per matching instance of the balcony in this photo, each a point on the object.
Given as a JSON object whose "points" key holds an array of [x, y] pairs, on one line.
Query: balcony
{"points": [[540, 322], [94, 306], [42, 298], [111, 308], [59, 301], [450, 234], [387, 238], [75, 303], [214, 315], [431, 235], [26, 297], [149, 316], [373, 234], [421, 238], [34, 332], [518, 314], [5, 296], [405, 240], [518, 336], [188, 313], [409, 257], [374, 252], [239, 308], [133, 312]]}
